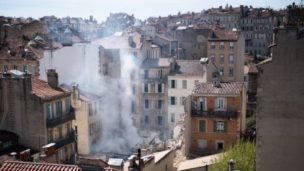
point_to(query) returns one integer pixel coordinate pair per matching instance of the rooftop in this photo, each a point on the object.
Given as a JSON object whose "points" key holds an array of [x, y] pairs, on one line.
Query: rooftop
{"points": [[234, 88], [223, 34], [156, 63], [32, 166], [198, 162], [160, 155], [189, 68], [44, 91]]}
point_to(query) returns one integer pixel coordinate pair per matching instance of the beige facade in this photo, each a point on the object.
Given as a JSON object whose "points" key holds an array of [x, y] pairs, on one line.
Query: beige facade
{"points": [[225, 52], [87, 121]]}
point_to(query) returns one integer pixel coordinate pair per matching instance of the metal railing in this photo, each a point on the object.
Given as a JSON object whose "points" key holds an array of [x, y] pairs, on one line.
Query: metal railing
{"points": [[68, 139], [61, 119], [213, 113]]}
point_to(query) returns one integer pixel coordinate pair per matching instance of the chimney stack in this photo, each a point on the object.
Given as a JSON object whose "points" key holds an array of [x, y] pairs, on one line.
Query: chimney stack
{"points": [[52, 78]]}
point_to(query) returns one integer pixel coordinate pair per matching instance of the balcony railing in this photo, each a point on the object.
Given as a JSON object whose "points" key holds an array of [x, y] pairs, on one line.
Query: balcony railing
{"points": [[61, 119], [212, 113], [68, 139]]}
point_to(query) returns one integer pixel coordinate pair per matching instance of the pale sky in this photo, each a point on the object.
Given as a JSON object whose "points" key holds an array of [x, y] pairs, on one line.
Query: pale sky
{"points": [[100, 9]]}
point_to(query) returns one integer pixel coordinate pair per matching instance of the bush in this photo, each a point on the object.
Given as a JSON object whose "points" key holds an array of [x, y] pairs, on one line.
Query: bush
{"points": [[242, 153]]}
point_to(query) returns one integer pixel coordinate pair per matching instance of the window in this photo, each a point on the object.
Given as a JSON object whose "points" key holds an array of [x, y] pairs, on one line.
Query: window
{"points": [[146, 74], [160, 104], [25, 68], [220, 104], [222, 45], [212, 58], [67, 105], [202, 126], [90, 109], [147, 104], [219, 145], [5, 68], [34, 70], [59, 108], [133, 89], [105, 69], [69, 127], [60, 132], [173, 84], [202, 104], [49, 111], [212, 45], [146, 119], [146, 88], [184, 84], [160, 74], [15, 67], [222, 59], [231, 72], [172, 100], [172, 117], [160, 120], [91, 128], [231, 45], [221, 71], [159, 88], [231, 59], [202, 144], [220, 126], [133, 107]]}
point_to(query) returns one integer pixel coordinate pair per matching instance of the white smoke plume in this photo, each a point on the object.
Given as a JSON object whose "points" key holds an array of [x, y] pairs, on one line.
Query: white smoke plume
{"points": [[80, 64]]}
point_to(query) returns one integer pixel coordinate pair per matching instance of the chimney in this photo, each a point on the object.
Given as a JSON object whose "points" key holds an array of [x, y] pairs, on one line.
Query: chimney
{"points": [[52, 78]]}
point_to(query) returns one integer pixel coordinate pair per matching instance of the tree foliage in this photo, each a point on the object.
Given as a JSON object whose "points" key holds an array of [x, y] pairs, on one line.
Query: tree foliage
{"points": [[242, 153]]}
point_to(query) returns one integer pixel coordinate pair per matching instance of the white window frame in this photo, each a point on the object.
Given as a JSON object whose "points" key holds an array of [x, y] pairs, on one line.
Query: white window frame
{"points": [[220, 126], [220, 104]]}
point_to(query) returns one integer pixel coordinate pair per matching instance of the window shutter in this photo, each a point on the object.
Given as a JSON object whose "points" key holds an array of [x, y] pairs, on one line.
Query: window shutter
{"points": [[225, 126], [163, 88], [149, 88], [143, 87], [214, 126], [169, 83]]}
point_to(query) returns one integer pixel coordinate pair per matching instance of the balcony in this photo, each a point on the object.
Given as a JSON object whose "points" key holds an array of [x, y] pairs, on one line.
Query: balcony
{"points": [[68, 139], [61, 119], [215, 114]]}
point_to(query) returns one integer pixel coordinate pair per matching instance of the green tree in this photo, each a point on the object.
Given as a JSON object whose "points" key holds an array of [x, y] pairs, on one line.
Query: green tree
{"points": [[242, 153]]}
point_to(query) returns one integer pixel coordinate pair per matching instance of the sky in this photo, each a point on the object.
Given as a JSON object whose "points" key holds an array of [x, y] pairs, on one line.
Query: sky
{"points": [[101, 9]]}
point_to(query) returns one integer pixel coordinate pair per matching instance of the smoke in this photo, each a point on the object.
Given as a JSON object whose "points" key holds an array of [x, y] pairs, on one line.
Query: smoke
{"points": [[80, 64]]}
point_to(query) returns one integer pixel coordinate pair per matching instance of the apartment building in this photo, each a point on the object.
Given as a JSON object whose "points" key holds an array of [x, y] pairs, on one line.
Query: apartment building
{"points": [[181, 81], [226, 55], [39, 112], [87, 121], [152, 95], [218, 115]]}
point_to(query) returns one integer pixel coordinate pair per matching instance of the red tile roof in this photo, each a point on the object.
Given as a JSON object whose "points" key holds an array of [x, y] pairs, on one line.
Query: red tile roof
{"points": [[234, 88], [31, 166], [223, 34], [44, 91]]}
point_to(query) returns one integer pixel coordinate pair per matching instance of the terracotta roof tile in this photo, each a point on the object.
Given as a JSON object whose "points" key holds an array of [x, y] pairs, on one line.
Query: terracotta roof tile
{"points": [[44, 91], [223, 34], [224, 89], [31, 166]]}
